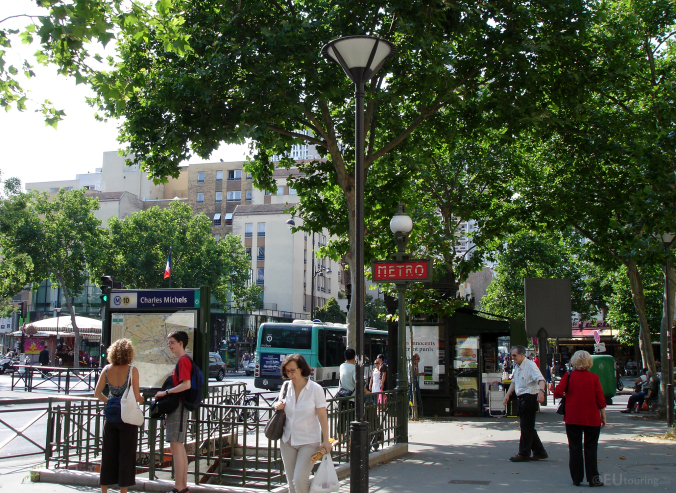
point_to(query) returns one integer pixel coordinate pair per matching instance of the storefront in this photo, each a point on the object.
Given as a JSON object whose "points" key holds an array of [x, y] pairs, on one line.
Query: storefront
{"points": [[456, 359]]}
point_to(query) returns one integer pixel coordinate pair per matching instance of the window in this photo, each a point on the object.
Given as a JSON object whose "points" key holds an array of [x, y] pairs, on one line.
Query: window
{"points": [[249, 194], [261, 229], [267, 193], [219, 175], [261, 253], [292, 191], [228, 218], [200, 197], [219, 196], [280, 190], [53, 190], [217, 219], [292, 338], [248, 252], [248, 230], [249, 177], [260, 277], [234, 196], [200, 176], [217, 237], [235, 174]]}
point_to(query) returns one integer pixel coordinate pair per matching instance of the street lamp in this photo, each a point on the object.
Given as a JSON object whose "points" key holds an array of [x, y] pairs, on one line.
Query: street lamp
{"points": [[401, 225], [360, 57], [666, 342]]}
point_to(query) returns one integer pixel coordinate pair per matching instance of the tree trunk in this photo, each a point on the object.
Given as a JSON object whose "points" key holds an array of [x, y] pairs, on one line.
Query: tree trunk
{"points": [[645, 342], [76, 330]]}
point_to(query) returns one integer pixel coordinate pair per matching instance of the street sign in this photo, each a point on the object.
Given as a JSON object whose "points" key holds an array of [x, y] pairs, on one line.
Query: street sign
{"points": [[597, 336], [234, 338], [600, 347], [150, 298], [407, 270]]}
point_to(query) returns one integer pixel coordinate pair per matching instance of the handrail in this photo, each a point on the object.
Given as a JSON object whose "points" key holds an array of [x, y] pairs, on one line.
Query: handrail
{"points": [[60, 376]]}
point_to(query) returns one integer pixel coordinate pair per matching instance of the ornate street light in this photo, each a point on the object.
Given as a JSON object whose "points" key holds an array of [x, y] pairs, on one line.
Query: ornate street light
{"points": [[401, 225], [360, 57], [666, 338]]}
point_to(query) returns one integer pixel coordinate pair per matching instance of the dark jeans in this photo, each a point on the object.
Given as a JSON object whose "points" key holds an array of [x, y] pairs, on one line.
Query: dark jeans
{"points": [[530, 441], [577, 463], [118, 460], [636, 397]]}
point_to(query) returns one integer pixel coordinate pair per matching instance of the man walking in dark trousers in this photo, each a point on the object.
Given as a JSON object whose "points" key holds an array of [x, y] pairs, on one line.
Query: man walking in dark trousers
{"points": [[529, 385]]}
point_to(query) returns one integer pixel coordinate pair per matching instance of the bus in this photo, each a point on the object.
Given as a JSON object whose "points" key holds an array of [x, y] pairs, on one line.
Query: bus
{"points": [[322, 344]]}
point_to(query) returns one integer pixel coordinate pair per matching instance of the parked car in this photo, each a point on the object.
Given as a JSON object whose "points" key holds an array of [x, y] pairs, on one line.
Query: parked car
{"points": [[216, 367], [250, 369]]}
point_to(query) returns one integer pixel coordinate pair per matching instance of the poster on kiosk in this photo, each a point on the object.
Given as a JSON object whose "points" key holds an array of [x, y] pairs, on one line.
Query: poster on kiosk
{"points": [[427, 356]]}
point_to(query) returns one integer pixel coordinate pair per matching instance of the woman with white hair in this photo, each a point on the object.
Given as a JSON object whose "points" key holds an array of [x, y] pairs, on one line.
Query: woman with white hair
{"points": [[585, 416]]}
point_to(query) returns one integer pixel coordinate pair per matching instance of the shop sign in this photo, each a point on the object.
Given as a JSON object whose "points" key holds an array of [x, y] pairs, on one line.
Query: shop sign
{"points": [[408, 270], [600, 347]]}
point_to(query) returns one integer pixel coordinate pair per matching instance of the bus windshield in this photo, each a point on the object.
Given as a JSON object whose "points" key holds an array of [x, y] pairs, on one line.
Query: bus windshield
{"points": [[287, 337]]}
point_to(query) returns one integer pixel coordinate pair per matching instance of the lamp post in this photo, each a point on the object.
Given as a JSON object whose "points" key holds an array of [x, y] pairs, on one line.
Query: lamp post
{"points": [[401, 225], [360, 57], [666, 341]]}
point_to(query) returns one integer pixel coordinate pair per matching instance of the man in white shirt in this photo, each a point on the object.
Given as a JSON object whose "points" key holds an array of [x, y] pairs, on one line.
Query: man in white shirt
{"points": [[529, 385], [348, 382]]}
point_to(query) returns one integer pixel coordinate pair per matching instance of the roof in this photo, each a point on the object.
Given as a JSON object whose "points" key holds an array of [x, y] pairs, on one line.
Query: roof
{"points": [[262, 209], [105, 196]]}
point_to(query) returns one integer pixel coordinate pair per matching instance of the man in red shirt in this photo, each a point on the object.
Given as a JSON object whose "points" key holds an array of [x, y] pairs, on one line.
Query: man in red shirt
{"points": [[177, 421]]}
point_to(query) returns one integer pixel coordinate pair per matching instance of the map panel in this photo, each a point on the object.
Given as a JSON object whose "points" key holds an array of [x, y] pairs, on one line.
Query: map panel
{"points": [[148, 333]]}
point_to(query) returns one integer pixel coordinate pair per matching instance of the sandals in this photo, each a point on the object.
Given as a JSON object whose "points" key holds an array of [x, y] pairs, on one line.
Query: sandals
{"points": [[174, 490]]}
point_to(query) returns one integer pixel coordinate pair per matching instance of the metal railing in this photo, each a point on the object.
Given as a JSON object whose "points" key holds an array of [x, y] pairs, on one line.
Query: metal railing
{"points": [[56, 378], [226, 442], [28, 417]]}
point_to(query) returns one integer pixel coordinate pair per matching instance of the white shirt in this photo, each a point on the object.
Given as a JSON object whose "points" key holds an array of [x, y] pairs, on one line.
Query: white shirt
{"points": [[302, 423], [375, 386], [527, 377], [348, 377]]}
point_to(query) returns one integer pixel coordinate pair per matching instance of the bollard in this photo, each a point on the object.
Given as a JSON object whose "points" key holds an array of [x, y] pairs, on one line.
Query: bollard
{"points": [[670, 405], [359, 457]]}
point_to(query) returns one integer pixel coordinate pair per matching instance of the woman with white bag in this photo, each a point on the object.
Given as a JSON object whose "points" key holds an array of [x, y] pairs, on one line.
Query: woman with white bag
{"points": [[306, 422], [118, 461]]}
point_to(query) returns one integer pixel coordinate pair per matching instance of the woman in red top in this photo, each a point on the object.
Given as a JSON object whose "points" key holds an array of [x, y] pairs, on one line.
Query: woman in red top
{"points": [[585, 415]]}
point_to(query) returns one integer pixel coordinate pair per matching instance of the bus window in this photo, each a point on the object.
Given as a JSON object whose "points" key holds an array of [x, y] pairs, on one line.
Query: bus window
{"points": [[335, 349], [287, 338], [321, 347], [378, 345]]}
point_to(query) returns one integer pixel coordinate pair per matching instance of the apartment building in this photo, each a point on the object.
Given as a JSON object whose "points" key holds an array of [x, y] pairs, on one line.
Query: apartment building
{"points": [[216, 189]]}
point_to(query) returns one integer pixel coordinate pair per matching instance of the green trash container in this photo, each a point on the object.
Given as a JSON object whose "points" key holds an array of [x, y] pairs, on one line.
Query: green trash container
{"points": [[604, 367]]}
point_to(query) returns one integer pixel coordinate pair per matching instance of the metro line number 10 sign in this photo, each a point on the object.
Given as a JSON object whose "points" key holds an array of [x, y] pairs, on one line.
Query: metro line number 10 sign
{"points": [[407, 270]]}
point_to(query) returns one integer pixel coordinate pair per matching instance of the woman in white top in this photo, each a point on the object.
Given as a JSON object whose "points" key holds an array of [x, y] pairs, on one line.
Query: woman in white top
{"points": [[378, 377], [305, 407]]}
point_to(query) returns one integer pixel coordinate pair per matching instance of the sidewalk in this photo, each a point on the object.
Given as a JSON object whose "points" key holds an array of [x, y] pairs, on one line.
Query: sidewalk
{"points": [[472, 455]]}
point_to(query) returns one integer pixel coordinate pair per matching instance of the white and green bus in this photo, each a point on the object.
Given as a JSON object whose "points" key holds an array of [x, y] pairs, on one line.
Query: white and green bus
{"points": [[322, 344]]}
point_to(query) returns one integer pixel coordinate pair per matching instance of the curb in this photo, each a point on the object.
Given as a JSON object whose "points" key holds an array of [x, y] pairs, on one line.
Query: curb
{"points": [[78, 478]]}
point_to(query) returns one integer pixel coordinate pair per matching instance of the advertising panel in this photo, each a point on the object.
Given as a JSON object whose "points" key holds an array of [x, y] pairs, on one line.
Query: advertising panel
{"points": [[33, 346], [426, 354]]}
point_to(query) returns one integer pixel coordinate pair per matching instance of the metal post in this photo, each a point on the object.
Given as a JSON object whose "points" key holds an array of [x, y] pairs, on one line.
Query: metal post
{"points": [[359, 463], [312, 282], [402, 380], [670, 407], [670, 361]]}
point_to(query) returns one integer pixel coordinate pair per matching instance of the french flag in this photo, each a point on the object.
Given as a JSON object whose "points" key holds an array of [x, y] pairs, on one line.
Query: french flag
{"points": [[167, 269]]}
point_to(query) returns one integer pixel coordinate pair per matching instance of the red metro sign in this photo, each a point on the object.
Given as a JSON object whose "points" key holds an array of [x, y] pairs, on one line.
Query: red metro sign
{"points": [[407, 270]]}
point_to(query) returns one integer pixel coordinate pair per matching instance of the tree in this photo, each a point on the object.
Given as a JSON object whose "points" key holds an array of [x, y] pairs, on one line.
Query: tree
{"points": [[56, 238], [138, 247], [330, 312], [71, 34], [527, 254], [254, 71]]}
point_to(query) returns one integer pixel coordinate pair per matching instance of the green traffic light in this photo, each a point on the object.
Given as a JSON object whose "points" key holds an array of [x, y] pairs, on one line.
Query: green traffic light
{"points": [[105, 297]]}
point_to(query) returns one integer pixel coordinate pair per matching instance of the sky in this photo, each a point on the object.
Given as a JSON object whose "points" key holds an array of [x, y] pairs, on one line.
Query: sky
{"points": [[31, 151]]}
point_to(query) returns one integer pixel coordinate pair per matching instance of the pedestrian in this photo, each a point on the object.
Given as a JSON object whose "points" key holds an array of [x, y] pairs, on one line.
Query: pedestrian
{"points": [[641, 390], [177, 420], [585, 415], [118, 456], [529, 385], [43, 358], [306, 429], [347, 385], [379, 378]]}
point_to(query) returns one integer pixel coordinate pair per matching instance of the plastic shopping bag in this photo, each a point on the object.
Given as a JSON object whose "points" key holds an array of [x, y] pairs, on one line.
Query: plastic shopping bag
{"points": [[325, 479]]}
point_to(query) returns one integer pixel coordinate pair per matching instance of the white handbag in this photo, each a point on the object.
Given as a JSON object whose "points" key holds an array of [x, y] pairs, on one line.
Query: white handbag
{"points": [[326, 479], [131, 412]]}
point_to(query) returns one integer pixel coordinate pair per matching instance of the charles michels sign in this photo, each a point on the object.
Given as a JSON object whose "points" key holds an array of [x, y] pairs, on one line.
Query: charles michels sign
{"points": [[407, 270]]}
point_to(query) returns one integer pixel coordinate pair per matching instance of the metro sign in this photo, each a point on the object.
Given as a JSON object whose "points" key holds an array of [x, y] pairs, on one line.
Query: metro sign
{"points": [[407, 270]]}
